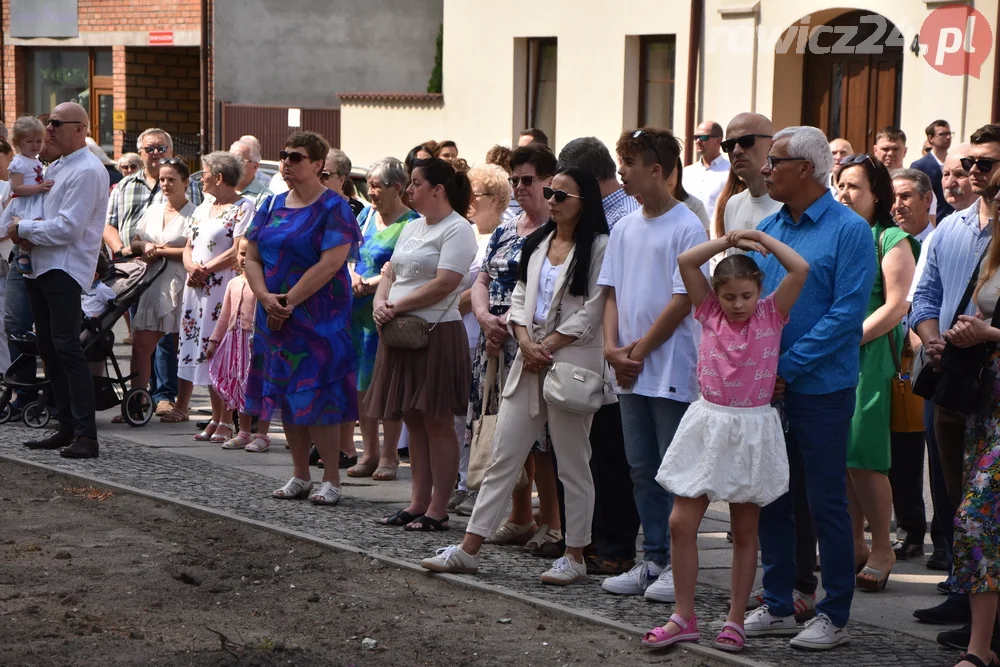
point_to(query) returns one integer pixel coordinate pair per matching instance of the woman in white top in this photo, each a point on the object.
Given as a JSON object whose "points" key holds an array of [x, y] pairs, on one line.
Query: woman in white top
{"points": [[676, 184], [428, 387], [162, 232], [556, 314]]}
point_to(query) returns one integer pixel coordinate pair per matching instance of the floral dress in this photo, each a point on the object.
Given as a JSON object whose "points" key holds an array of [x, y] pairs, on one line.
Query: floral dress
{"points": [[210, 237], [375, 251], [307, 368], [502, 263]]}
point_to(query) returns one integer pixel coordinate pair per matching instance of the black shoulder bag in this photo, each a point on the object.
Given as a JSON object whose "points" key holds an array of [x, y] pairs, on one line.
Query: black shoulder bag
{"points": [[957, 386]]}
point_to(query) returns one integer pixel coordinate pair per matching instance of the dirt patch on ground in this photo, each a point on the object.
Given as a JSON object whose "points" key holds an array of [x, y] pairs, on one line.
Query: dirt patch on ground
{"points": [[93, 577]]}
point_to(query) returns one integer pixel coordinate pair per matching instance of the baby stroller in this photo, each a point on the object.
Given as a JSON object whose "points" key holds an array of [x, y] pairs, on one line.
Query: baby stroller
{"points": [[128, 279]]}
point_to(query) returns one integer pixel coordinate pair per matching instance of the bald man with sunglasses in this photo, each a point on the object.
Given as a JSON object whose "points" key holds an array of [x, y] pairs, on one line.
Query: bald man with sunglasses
{"points": [[748, 140]]}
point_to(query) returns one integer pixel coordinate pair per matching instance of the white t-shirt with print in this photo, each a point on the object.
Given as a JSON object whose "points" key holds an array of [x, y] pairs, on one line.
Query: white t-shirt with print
{"points": [[424, 249], [641, 264]]}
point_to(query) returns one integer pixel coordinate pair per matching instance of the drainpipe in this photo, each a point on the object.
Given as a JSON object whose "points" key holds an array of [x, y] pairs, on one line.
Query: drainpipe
{"points": [[694, 42], [204, 74]]}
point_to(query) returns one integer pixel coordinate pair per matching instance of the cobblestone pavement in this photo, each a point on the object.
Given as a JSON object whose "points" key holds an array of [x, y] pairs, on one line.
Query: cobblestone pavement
{"points": [[247, 494]]}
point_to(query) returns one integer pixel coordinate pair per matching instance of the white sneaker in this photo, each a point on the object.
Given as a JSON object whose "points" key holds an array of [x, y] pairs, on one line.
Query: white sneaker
{"points": [[662, 590], [565, 571], [756, 599], [760, 623], [633, 582], [452, 559], [820, 634]]}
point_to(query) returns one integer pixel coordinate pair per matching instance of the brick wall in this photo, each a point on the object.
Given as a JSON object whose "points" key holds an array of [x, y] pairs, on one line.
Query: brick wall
{"points": [[162, 89], [100, 15]]}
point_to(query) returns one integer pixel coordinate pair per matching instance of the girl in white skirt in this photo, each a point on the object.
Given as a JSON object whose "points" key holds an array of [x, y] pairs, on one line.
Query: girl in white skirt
{"points": [[729, 445]]}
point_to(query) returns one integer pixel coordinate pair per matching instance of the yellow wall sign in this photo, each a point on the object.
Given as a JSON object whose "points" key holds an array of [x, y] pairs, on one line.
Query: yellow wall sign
{"points": [[119, 120]]}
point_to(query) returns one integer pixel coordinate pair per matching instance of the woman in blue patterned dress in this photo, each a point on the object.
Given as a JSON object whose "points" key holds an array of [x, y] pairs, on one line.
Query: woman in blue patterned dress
{"points": [[303, 362], [381, 224]]}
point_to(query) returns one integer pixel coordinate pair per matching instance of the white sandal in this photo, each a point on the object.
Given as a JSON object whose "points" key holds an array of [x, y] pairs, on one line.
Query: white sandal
{"points": [[238, 441], [328, 494], [296, 489], [260, 443]]}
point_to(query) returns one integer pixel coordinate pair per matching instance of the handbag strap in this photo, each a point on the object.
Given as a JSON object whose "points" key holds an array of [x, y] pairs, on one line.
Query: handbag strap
{"points": [[491, 376], [444, 312], [967, 297], [893, 349]]}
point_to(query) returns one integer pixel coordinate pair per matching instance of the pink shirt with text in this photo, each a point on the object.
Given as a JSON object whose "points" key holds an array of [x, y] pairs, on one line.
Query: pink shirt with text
{"points": [[738, 361]]}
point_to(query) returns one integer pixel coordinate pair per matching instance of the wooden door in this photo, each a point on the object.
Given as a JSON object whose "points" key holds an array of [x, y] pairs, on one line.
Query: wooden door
{"points": [[853, 95]]}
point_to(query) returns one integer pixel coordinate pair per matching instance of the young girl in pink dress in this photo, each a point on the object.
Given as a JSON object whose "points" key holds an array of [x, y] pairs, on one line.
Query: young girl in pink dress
{"points": [[730, 445], [229, 354]]}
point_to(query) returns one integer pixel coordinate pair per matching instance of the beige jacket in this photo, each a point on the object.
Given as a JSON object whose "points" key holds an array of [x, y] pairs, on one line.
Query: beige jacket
{"points": [[581, 317]]}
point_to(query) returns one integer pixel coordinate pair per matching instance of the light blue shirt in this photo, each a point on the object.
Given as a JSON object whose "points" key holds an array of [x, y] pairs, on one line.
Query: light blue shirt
{"points": [[951, 256], [821, 344]]}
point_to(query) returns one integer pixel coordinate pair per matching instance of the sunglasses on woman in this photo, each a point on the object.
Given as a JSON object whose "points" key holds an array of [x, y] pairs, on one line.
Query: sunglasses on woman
{"points": [[745, 142], [856, 159], [526, 181], [293, 157], [985, 164], [559, 195]]}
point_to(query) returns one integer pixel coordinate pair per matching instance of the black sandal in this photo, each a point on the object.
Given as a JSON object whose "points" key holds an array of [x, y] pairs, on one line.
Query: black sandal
{"points": [[400, 518], [428, 524], [976, 660]]}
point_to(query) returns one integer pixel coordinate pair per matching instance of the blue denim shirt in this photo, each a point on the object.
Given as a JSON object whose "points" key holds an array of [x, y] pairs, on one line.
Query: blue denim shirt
{"points": [[821, 343]]}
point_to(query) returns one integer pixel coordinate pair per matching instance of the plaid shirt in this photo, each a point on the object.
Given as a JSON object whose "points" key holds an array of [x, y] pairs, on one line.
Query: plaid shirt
{"points": [[617, 205], [129, 201]]}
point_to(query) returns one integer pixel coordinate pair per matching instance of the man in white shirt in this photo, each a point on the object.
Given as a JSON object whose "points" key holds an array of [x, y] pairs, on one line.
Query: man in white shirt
{"points": [[748, 139], [706, 177], [64, 248]]}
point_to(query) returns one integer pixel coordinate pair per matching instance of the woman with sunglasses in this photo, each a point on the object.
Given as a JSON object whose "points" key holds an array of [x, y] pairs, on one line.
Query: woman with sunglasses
{"points": [[162, 232], [676, 184], [556, 314], [129, 163], [427, 386], [864, 185], [210, 261], [302, 362], [532, 168]]}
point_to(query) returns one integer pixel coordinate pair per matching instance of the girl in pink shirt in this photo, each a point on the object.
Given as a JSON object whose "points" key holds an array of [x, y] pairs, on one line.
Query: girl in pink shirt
{"points": [[730, 445], [229, 355]]}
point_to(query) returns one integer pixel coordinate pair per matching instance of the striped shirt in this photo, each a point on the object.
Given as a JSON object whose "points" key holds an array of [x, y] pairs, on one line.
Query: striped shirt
{"points": [[617, 205], [946, 267]]}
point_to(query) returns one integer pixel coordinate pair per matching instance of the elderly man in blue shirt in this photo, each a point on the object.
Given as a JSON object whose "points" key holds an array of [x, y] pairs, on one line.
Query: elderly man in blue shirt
{"points": [[819, 367]]}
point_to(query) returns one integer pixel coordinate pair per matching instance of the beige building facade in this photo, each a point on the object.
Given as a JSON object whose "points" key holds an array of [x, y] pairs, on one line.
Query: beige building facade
{"points": [[591, 67]]}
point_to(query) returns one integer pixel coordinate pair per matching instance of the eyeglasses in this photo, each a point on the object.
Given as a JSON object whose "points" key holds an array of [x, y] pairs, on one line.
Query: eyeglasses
{"points": [[985, 164], [559, 195], [706, 137], [159, 148], [745, 142], [526, 181], [56, 123], [127, 167], [774, 161], [293, 157], [483, 194]]}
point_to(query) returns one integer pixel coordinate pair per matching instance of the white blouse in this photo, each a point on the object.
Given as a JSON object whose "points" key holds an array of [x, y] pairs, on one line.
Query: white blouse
{"points": [[546, 289]]}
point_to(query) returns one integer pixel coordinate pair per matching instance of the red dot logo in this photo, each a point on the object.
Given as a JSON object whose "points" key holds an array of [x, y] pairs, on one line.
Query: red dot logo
{"points": [[956, 40]]}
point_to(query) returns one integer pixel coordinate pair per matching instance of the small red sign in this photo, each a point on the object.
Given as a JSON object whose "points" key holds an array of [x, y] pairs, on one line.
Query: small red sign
{"points": [[161, 38]]}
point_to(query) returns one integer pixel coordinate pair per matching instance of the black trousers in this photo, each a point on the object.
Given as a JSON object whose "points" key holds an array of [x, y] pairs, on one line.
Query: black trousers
{"points": [[906, 476], [55, 304], [616, 520], [805, 538]]}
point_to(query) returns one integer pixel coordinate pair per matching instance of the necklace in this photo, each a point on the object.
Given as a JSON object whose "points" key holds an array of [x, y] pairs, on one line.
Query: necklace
{"points": [[559, 258]]}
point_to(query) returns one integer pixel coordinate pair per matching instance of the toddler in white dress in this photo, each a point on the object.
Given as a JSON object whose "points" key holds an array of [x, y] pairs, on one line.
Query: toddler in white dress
{"points": [[27, 181]]}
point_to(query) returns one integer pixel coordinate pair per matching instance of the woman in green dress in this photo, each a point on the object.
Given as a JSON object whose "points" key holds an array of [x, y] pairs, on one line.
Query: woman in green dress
{"points": [[381, 224], [865, 186]]}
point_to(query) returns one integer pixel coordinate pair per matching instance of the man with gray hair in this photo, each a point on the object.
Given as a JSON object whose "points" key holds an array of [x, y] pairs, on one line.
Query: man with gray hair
{"points": [[249, 185], [818, 368], [912, 204], [254, 142], [590, 154]]}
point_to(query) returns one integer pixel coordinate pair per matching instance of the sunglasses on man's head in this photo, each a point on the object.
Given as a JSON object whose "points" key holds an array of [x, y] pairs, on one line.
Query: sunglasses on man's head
{"points": [[559, 195], [526, 181], [985, 164], [56, 123], [294, 157], [745, 142], [159, 148]]}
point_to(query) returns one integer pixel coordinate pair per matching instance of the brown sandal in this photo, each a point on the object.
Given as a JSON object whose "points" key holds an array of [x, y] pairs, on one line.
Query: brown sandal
{"points": [[385, 473], [175, 416], [362, 469]]}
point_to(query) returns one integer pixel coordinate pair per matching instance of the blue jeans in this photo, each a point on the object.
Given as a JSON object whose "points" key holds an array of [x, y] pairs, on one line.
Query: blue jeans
{"points": [[818, 427], [17, 317], [163, 379], [648, 425]]}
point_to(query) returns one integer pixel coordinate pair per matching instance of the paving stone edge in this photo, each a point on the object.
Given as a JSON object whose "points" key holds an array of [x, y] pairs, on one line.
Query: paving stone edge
{"points": [[461, 582]]}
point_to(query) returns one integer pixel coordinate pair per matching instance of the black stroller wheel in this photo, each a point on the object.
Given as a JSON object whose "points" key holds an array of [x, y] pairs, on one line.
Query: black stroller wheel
{"points": [[35, 415], [137, 407]]}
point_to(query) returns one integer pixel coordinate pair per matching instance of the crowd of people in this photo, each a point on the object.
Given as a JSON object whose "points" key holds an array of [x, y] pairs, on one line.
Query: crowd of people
{"points": [[631, 341]]}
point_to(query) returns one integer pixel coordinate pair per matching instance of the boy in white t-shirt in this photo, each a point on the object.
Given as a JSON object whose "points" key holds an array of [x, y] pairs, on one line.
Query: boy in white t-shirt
{"points": [[650, 340]]}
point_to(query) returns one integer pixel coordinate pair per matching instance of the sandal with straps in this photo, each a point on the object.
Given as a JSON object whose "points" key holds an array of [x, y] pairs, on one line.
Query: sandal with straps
{"points": [[207, 434], [295, 489], [238, 441], [736, 635], [661, 637], [328, 495], [260, 443], [222, 437]]}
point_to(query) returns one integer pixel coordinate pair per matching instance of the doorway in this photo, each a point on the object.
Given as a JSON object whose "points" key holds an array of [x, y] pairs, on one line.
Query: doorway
{"points": [[854, 89]]}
